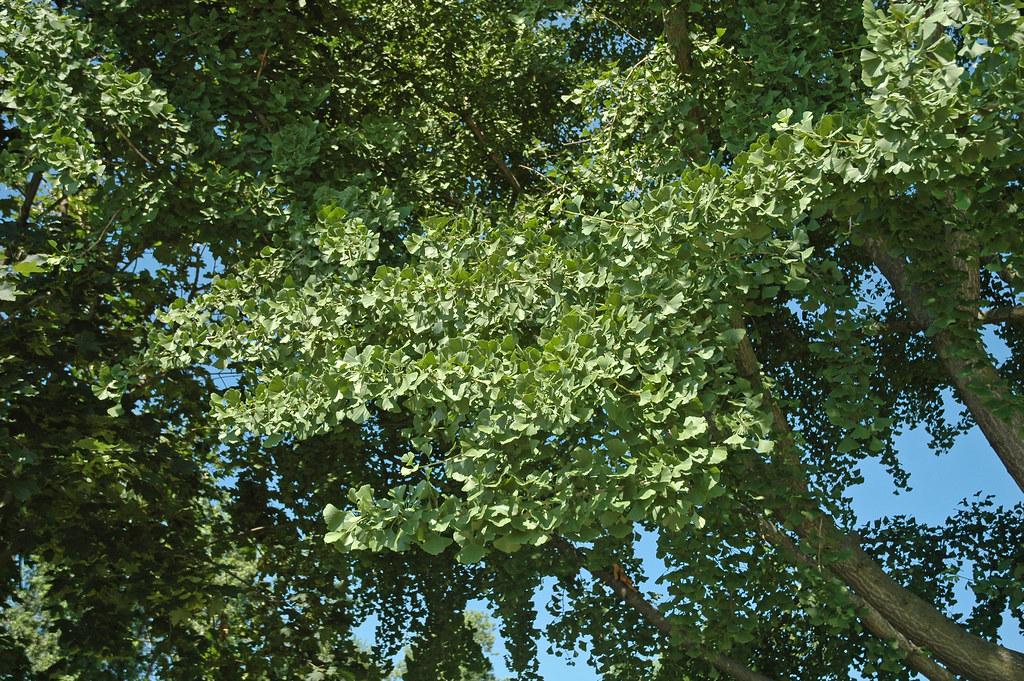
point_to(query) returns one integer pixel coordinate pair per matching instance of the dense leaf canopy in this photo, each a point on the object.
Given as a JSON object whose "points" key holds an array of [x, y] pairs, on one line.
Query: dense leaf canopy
{"points": [[481, 293]]}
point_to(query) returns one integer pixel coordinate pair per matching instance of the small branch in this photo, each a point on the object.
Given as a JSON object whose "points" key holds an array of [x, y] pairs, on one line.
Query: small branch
{"points": [[506, 172], [263, 63], [103, 232], [262, 120], [622, 588], [31, 188], [617, 25]]}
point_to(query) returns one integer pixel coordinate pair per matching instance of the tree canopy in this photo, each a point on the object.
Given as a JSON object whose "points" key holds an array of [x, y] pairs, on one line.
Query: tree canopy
{"points": [[315, 310]]}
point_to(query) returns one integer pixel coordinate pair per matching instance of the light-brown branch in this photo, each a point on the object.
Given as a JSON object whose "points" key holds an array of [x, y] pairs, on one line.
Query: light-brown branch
{"points": [[634, 599]]}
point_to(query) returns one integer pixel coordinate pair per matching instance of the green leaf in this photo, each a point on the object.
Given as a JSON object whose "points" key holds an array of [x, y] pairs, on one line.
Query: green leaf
{"points": [[732, 336], [333, 516], [436, 544], [507, 544], [471, 553], [30, 265]]}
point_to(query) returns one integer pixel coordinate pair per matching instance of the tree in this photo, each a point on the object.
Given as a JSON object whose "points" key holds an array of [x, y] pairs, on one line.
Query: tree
{"points": [[501, 284]]}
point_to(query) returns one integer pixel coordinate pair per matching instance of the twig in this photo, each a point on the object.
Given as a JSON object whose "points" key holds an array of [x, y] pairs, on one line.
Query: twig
{"points": [[103, 232], [263, 62]]}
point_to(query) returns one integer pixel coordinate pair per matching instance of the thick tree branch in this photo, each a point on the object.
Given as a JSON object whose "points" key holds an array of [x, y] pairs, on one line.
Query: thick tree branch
{"points": [[998, 315], [1005, 433], [677, 35], [31, 188], [467, 118], [915, 618], [634, 599]]}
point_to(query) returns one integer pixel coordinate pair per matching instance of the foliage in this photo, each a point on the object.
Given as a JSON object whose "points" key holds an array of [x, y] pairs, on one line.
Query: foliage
{"points": [[495, 279]]}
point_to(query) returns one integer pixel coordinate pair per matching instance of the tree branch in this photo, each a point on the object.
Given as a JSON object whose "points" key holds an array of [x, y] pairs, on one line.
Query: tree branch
{"points": [[917, 619], [634, 599], [131, 145], [998, 315], [916, 658]]}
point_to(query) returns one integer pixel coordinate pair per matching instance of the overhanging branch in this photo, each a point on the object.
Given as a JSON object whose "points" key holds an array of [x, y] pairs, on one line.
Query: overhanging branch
{"points": [[1005, 433]]}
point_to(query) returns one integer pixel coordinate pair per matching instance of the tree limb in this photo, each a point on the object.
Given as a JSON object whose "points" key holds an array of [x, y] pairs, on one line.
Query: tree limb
{"points": [[1006, 433], [916, 658], [998, 315], [917, 619]]}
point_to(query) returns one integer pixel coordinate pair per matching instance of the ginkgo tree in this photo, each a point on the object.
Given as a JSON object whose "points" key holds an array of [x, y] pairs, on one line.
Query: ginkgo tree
{"points": [[525, 281], [586, 360]]}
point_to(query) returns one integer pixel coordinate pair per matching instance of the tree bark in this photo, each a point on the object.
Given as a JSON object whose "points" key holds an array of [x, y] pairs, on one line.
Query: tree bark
{"points": [[677, 35], [1005, 434], [917, 619]]}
